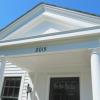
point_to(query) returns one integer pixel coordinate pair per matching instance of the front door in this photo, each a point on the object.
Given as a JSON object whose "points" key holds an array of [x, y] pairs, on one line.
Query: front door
{"points": [[66, 88]]}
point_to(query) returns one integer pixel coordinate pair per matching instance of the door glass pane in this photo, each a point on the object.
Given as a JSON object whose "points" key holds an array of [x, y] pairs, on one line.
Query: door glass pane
{"points": [[16, 92], [11, 90], [17, 84], [12, 82], [6, 89], [7, 82]]}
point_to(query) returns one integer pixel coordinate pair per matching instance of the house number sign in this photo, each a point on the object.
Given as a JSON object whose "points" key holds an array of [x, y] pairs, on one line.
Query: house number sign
{"points": [[41, 49]]}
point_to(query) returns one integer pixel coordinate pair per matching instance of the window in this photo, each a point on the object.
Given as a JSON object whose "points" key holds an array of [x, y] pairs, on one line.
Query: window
{"points": [[11, 88], [66, 88]]}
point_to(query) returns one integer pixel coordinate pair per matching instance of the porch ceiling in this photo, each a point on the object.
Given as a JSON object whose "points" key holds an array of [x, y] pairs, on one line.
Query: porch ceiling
{"points": [[52, 60]]}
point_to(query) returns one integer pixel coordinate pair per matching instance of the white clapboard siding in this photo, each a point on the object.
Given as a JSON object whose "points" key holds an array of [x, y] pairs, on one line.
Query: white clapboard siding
{"points": [[13, 70]]}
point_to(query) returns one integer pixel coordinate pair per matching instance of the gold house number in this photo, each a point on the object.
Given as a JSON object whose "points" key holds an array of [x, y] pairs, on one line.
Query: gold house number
{"points": [[41, 49]]}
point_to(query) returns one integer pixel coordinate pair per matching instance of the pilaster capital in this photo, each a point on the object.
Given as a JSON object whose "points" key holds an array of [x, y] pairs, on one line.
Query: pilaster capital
{"points": [[95, 51], [2, 58]]}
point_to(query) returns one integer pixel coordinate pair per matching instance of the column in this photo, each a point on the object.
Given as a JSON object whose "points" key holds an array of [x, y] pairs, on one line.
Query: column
{"points": [[95, 73], [2, 66]]}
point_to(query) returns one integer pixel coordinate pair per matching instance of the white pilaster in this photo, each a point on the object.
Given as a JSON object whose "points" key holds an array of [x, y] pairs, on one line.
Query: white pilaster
{"points": [[95, 73], [33, 77], [2, 66]]}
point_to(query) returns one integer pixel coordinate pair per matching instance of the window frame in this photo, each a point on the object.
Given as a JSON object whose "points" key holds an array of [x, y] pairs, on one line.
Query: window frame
{"points": [[14, 87], [66, 79]]}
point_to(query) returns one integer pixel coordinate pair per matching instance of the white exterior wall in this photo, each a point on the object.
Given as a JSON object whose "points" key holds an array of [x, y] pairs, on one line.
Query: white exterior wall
{"points": [[12, 70], [42, 83]]}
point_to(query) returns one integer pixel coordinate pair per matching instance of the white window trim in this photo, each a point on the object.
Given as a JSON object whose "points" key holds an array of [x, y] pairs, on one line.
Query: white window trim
{"points": [[22, 75], [63, 75]]}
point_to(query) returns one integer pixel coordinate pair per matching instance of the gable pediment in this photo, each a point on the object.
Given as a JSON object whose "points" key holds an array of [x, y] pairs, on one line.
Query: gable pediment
{"points": [[51, 20]]}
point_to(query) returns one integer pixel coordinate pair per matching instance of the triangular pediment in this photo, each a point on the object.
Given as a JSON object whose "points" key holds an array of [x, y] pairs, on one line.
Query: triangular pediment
{"points": [[47, 19]]}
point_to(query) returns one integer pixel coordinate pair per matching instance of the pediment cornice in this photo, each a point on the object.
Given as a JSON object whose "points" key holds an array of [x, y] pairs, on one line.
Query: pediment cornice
{"points": [[53, 14]]}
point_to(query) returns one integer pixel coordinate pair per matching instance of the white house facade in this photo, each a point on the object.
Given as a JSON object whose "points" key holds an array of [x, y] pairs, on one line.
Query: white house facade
{"points": [[51, 53]]}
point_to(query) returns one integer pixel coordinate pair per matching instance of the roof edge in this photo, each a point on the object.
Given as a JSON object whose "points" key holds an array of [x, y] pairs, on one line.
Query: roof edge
{"points": [[41, 5]]}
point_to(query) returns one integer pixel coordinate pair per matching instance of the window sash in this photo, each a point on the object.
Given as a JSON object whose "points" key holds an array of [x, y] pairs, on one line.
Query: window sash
{"points": [[11, 91]]}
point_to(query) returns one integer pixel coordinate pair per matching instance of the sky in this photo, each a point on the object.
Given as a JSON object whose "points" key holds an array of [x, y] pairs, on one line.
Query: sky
{"points": [[12, 9]]}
